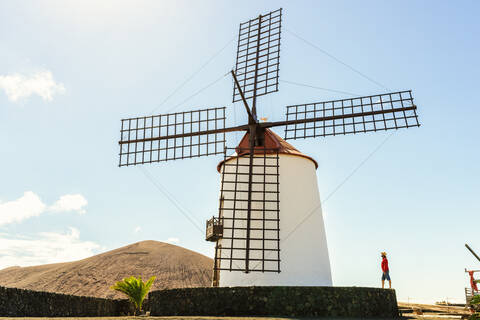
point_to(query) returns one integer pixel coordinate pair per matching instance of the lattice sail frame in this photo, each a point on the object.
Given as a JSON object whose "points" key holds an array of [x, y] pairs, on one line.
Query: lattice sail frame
{"points": [[262, 252], [258, 55], [172, 136], [354, 115]]}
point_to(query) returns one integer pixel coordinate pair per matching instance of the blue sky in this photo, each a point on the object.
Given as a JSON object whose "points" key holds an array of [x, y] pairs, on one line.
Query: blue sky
{"points": [[70, 70]]}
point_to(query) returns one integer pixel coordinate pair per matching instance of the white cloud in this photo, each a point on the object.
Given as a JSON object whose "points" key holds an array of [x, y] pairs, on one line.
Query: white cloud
{"points": [[30, 205], [137, 229], [70, 202], [27, 206], [46, 247], [18, 86], [172, 240]]}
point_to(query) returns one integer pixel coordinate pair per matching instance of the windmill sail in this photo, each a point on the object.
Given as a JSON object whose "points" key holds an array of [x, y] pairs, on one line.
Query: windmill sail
{"points": [[339, 117], [172, 136], [258, 55], [251, 237]]}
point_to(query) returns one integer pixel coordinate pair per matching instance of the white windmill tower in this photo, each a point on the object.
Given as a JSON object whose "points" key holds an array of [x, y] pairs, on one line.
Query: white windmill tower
{"points": [[284, 195], [269, 229]]}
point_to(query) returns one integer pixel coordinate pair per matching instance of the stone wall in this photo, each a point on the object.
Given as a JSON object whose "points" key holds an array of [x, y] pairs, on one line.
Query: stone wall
{"points": [[352, 302], [27, 303]]}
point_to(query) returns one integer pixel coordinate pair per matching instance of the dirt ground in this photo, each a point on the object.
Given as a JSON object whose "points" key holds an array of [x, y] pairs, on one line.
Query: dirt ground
{"points": [[197, 318], [181, 318]]}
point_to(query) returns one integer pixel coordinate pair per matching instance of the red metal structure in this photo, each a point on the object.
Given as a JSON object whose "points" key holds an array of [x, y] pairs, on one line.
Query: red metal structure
{"points": [[473, 290]]}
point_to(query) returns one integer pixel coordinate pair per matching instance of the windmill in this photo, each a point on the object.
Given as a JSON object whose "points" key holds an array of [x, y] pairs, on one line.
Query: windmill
{"points": [[268, 188]]}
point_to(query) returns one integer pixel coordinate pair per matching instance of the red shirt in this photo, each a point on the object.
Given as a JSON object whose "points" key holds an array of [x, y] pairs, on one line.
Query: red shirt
{"points": [[384, 265]]}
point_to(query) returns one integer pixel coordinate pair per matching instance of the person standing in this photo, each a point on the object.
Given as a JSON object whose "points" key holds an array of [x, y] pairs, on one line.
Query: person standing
{"points": [[385, 270]]}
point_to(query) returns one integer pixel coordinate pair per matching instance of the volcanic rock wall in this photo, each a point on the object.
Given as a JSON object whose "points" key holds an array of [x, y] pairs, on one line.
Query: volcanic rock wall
{"points": [[27, 303], [353, 302]]}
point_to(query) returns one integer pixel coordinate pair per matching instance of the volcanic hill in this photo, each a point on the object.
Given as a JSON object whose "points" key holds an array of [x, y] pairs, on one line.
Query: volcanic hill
{"points": [[174, 267]]}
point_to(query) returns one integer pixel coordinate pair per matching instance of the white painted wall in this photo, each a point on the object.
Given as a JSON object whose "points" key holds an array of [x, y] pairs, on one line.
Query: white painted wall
{"points": [[303, 246]]}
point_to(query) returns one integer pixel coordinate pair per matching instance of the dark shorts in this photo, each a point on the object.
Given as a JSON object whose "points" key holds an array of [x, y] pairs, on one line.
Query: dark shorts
{"points": [[386, 276]]}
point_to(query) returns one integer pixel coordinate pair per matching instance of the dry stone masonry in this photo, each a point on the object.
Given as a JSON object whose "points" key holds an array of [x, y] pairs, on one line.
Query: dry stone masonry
{"points": [[353, 302], [27, 303]]}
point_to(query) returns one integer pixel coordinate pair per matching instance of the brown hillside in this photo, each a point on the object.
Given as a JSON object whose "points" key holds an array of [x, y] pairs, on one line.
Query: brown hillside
{"points": [[174, 267]]}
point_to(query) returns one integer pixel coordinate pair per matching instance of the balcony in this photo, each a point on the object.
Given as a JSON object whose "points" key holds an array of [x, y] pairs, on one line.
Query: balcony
{"points": [[214, 229]]}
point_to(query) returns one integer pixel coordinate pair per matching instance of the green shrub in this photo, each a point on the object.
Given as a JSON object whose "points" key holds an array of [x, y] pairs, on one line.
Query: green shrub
{"points": [[475, 302]]}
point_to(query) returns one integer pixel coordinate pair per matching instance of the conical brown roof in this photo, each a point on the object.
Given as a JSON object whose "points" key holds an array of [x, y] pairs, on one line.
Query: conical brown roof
{"points": [[273, 144]]}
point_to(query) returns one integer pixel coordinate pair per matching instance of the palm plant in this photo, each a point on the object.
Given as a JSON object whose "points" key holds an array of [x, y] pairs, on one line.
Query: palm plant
{"points": [[135, 289]]}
